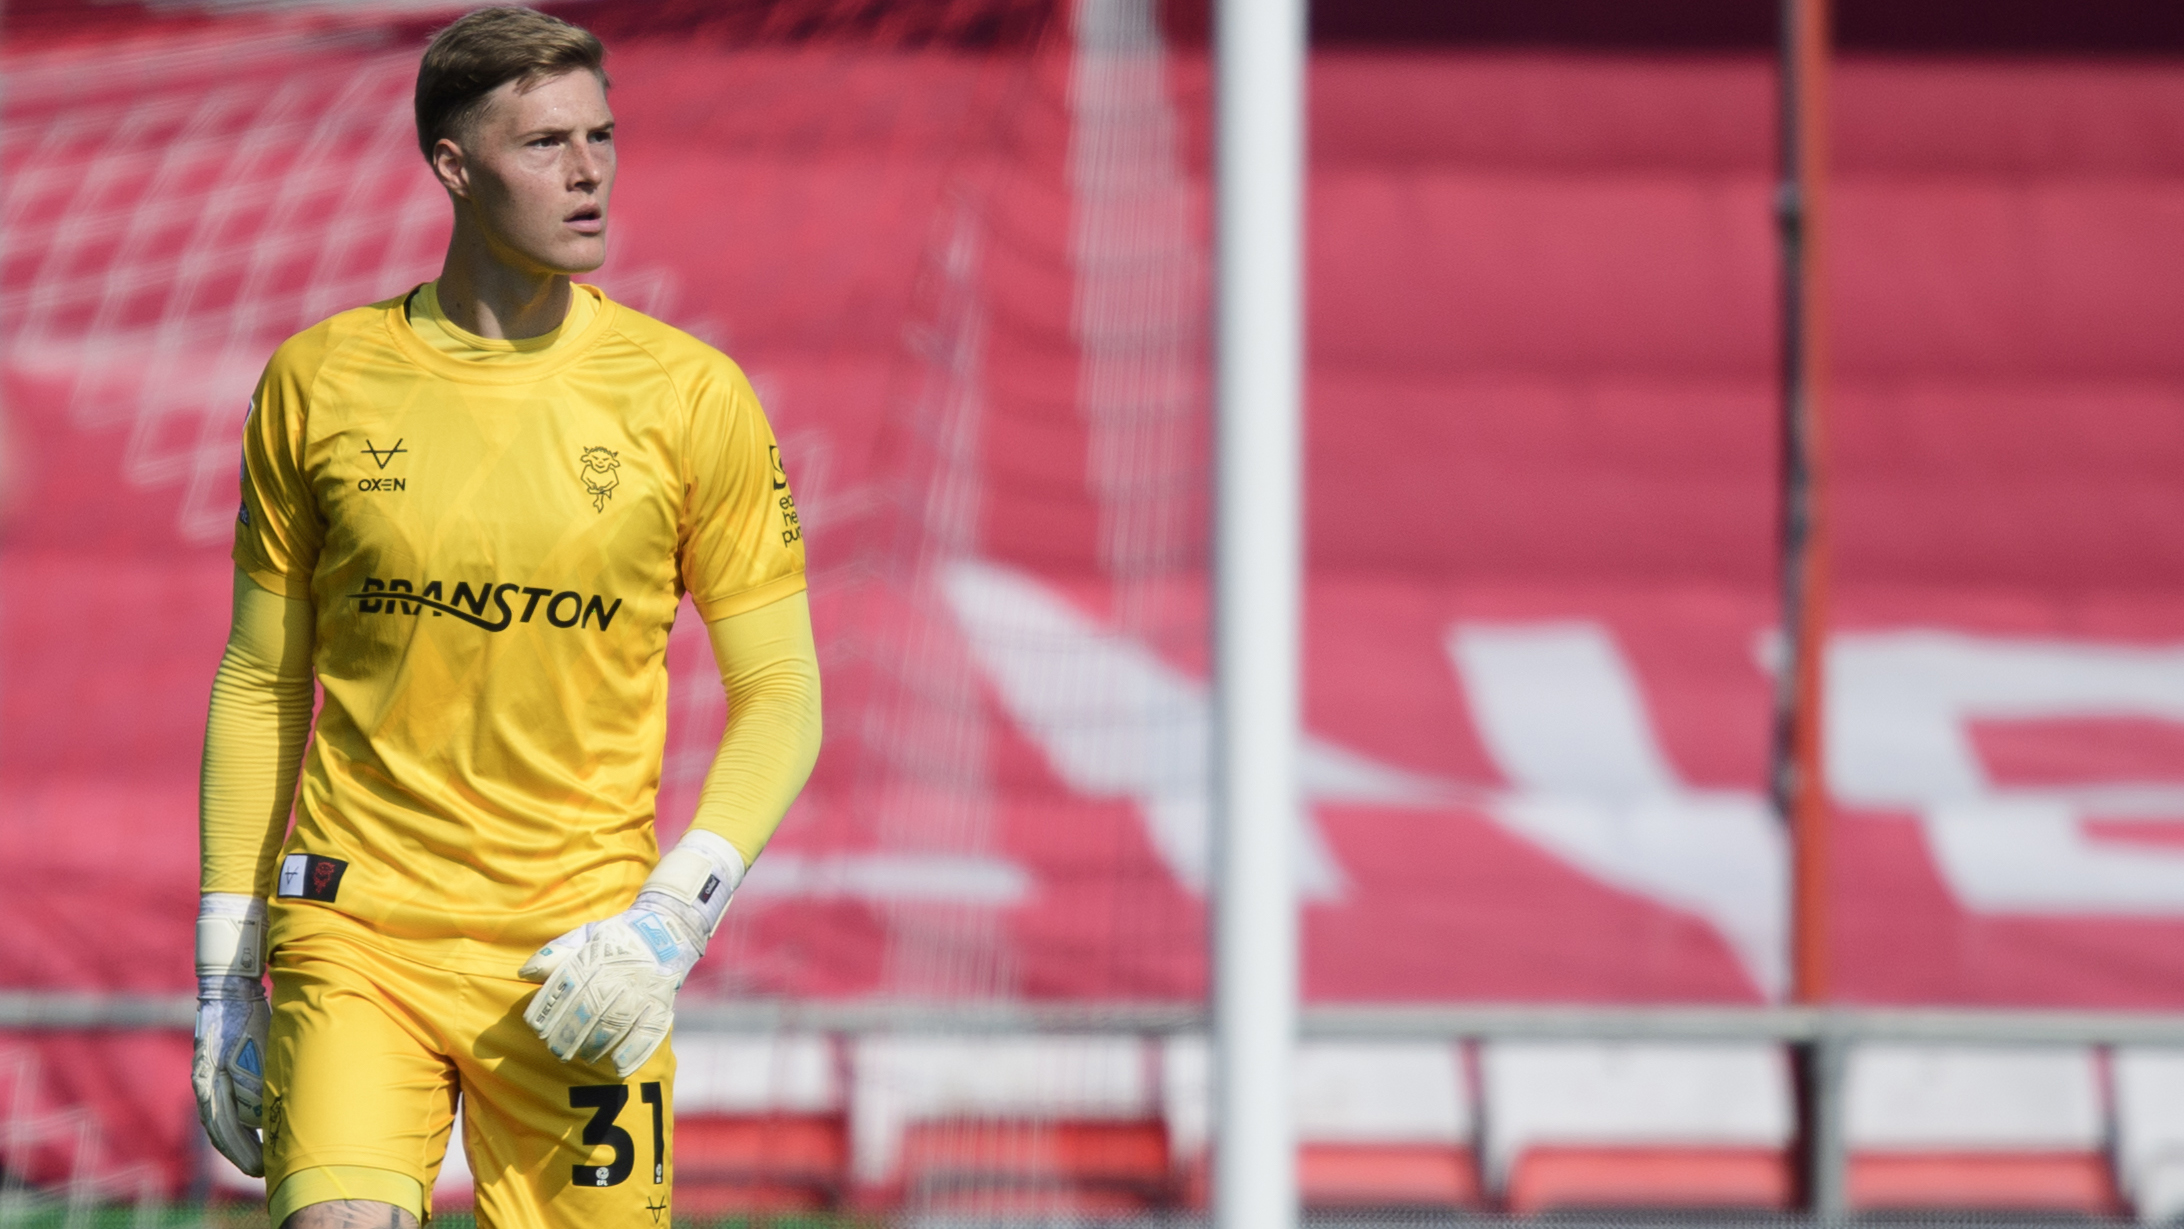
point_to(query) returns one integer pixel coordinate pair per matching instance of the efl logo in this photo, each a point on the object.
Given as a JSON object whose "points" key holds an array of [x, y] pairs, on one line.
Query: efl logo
{"points": [[312, 877]]}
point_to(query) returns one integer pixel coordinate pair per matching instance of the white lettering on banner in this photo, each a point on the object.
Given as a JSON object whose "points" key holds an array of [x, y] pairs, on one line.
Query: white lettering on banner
{"points": [[1898, 738], [1564, 720], [1115, 721]]}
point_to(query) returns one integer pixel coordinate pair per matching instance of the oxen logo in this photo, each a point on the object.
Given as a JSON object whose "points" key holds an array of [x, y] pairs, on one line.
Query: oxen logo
{"points": [[599, 475], [384, 455]]}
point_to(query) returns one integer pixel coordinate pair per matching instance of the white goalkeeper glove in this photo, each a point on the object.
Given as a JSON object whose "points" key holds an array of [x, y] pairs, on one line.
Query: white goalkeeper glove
{"points": [[610, 985], [227, 1064]]}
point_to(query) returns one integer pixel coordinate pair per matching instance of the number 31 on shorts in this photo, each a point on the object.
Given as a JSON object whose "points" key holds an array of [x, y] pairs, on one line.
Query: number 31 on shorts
{"points": [[606, 1102]]}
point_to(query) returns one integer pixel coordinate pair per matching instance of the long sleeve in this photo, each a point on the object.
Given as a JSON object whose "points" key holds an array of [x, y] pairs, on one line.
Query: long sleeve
{"points": [[771, 670], [255, 732]]}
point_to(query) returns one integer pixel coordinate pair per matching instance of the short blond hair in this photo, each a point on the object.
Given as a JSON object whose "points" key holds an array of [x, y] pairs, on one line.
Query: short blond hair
{"points": [[487, 49]]}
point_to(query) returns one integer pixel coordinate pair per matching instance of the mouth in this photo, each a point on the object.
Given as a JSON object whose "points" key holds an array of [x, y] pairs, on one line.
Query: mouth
{"points": [[589, 220]]}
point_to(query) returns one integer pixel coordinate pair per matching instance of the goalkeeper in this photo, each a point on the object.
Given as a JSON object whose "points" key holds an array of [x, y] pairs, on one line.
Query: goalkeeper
{"points": [[468, 516]]}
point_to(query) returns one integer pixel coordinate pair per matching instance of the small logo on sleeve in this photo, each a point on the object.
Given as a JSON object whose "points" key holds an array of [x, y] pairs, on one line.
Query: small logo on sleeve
{"points": [[242, 468], [599, 476], [792, 530], [312, 877], [712, 885]]}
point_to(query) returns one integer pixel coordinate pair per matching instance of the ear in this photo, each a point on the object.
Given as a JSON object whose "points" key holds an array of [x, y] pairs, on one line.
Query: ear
{"points": [[451, 168]]}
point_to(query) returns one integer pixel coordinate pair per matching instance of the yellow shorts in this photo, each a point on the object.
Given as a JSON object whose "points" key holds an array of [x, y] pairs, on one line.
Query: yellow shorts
{"points": [[369, 1053]]}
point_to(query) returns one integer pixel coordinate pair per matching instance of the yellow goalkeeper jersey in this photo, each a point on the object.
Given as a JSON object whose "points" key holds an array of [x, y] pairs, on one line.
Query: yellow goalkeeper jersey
{"points": [[495, 552]]}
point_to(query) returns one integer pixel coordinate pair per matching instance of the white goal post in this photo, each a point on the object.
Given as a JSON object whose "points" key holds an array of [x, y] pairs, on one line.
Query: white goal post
{"points": [[1259, 50]]}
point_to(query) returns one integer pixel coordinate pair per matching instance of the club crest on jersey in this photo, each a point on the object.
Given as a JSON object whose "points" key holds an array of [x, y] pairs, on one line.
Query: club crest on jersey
{"points": [[599, 475]]}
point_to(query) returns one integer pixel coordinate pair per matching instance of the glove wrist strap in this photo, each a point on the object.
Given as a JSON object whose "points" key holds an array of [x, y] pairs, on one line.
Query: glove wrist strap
{"points": [[230, 936], [700, 874], [220, 987]]}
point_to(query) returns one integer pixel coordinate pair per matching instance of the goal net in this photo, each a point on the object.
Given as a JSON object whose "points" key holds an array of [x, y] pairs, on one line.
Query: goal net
{"points": [[958, 249]]}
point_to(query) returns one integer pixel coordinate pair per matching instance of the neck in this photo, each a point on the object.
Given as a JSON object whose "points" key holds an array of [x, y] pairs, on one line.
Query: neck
{"points": [[484, 292]]}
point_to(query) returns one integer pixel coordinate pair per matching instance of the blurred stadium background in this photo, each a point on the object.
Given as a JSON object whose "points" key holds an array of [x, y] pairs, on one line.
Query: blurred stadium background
{"points": [[962, 248]]}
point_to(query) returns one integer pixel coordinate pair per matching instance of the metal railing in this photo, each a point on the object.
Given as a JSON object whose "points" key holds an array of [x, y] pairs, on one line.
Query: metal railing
{"points": [[1824, 1036]]}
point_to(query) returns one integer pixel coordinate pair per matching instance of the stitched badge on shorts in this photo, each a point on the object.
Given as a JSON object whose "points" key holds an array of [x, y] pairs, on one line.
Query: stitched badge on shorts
{"points": [[312, 877]]}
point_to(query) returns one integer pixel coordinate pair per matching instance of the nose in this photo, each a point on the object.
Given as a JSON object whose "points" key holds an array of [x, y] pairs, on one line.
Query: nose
{"points": [[586, 165]]}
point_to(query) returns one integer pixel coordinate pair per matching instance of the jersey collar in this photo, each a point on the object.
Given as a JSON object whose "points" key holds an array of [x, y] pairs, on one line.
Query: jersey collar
{"points": [[517, 369]]}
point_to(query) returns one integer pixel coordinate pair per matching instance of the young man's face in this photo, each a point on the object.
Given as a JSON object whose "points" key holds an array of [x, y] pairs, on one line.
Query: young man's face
{"points": [[537, 166]]}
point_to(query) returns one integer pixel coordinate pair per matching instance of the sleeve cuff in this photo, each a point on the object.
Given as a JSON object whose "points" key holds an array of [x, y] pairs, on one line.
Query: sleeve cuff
{"points": [[278, 584], [714, 609]]}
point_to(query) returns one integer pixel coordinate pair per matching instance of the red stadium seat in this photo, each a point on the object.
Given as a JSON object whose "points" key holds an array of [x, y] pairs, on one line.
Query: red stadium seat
{"points": [[1379, 1124], [1022, 1166], [1639, 1125], [1549, 1178], [1360, 1175], [2022, 1129], [2070, 1182], [760, 1163]]}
